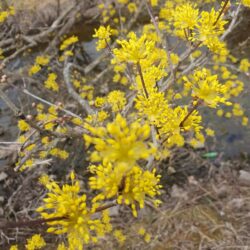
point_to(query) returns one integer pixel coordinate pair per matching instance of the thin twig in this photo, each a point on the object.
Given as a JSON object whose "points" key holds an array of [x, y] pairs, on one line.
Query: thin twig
{"points": [[142, 80], [66, 73], [51, 104]]}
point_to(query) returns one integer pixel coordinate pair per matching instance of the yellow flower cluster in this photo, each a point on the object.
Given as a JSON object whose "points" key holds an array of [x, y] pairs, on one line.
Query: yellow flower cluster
{"points": [[39, 63], [119, 147], [133, 50], [119, 142], [117, 100], [246, 3], [127, 183], [69, 41], [71, 214], [4, 14], [244, 65], [150, 61], [203, 27], [59, 153], [207, 88], [35, 242], [23, 125], [51, 83], [103, 34]]}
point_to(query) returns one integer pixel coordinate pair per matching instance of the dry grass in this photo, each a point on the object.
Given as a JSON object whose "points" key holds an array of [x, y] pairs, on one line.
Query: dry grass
{"points": [[213, 214], [37, 5]]}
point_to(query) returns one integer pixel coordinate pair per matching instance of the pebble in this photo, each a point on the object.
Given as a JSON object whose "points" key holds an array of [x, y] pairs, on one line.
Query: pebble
{"points": [[244, 178], [3, 176]]}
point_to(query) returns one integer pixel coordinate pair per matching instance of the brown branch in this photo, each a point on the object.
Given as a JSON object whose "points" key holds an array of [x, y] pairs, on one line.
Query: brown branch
{"points": [[221, 12], [190, 112], [142, 80], [39, 222]]}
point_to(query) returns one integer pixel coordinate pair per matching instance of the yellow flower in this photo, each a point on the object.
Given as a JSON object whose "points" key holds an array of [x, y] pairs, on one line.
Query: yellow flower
{"points": [[209, 132], [59, 153], [35, 242], [76, 218], [51, 83], [132, 7], [23, 125], [117, 100], [147, 238], [103, 34], [13, 247], [207, 88], [141, 231], [133, 50], [119, 142], [99, 101], [244, 121], [120, 237], [210, 28], [244, 65], [154, 2], [129, 184], [220, 112], [69, 41], [185, 17], [246, 3], [34, 69], [61, 246], [42, 60], [237, 110]]}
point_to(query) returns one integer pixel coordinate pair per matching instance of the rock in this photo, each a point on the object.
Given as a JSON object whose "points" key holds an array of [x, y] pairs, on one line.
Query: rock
{"points": [[236, 203], [178, 192], [3, 176], [244, 178], [1, 199]]}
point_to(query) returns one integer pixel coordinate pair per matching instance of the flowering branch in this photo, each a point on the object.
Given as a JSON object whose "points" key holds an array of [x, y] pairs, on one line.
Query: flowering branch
{"points": [[33, 223]]}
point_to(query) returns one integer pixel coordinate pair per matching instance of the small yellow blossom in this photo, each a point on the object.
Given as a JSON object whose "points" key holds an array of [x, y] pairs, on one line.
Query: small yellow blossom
{"points": [[244, 65], [23, 125], [141, 231], [244, 121], [35, 242], [61, 246], [117, 100], [42, 60], [210, 132], [132, 7], [34, 69], [51, 83], [120, 237], [69, 41], [59, 153], [220, 112], [147, 238], [14, 247], [246, 3], [103, 34], [99, 101]]}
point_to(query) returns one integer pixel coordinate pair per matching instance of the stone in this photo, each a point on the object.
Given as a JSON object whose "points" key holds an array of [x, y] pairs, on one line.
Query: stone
{"points": [[244, 178], [3, 176]]}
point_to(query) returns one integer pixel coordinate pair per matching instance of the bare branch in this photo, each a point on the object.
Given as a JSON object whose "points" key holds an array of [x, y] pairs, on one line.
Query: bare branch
{"points": [[66, 73]]}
